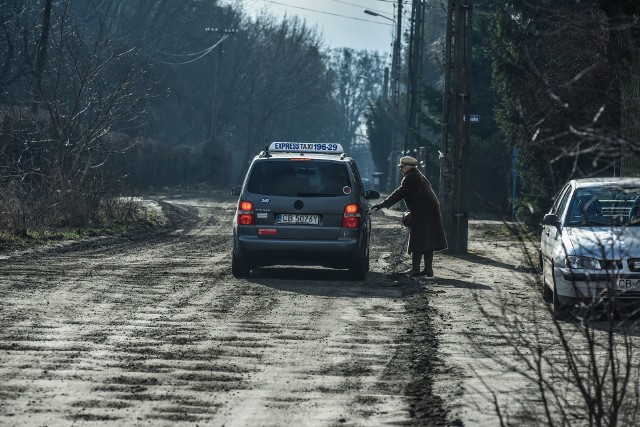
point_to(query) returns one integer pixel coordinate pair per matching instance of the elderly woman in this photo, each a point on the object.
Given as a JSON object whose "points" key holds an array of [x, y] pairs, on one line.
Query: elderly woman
{"points": [[426, 231]]}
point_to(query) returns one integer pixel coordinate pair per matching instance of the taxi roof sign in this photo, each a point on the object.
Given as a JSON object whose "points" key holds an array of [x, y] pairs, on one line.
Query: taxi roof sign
{"points": [[306, 147]]}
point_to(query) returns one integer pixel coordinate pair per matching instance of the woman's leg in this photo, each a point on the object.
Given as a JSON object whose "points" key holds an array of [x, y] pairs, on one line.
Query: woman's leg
{"points": [[416, 257], [428, 264]]}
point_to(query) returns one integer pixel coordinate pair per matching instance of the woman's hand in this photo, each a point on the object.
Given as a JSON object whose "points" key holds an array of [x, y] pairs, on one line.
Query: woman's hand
{"points": [[377, 207]]}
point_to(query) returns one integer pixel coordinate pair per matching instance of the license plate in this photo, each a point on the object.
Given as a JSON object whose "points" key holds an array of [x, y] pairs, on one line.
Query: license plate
{"points": [[628, 284], [298, 219]]}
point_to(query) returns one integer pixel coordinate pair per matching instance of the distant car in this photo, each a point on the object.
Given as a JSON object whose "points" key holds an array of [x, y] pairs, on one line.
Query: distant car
{"points": [[590, 244], [302, 204]]}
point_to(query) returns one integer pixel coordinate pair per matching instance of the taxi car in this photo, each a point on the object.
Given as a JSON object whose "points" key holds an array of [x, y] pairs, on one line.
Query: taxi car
{"points": [[590, 244], [302, 204]]}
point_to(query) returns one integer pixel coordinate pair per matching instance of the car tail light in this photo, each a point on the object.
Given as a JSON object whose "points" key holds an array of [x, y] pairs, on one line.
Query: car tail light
{"points": [[351, 217], [245, 213]]}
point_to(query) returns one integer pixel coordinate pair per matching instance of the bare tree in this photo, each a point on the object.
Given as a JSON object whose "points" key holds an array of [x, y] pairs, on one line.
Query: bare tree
{"points": [[86, 94], [581, 370], [561, 67], [43, 43], [358, 83], [559, 105], [13, 21], [287, 75]]}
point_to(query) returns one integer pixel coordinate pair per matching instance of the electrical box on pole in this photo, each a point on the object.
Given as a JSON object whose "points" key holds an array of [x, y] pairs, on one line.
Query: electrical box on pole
{"points": [[454, 167]]}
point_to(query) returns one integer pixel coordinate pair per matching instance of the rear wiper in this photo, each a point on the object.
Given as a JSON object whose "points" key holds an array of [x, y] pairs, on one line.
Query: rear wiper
{"points": [[316, 194]]}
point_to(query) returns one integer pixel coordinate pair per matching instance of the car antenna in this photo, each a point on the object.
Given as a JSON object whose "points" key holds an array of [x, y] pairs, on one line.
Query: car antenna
{"points": [[265, 152]]}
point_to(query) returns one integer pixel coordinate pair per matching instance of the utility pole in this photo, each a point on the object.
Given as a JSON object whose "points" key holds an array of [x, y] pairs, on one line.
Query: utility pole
{"points": [[385, 84], [395, 59], [414, 61], [454, 170], [395, 98]]}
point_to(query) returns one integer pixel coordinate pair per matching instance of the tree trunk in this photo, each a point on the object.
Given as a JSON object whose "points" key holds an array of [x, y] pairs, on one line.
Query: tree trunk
{"points": [[624, 53], [42, 43]]}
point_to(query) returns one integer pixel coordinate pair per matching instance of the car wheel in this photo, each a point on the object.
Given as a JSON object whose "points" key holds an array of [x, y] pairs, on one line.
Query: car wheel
{"points": [[560, 311], [359, 269], [547, 293], [239, 267], [540, 262]]}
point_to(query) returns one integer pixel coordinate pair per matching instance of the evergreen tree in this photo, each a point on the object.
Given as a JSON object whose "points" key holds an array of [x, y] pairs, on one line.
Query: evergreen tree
{"points": [[557, 100]]}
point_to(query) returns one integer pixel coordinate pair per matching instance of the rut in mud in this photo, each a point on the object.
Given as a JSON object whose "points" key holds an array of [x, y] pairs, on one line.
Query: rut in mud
{"points": [[153, 328]]}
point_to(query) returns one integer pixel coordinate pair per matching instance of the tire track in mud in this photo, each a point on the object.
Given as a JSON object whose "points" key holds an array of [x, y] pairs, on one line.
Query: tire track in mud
{"points": [[141, 310], [155, 329], [168, 342]]}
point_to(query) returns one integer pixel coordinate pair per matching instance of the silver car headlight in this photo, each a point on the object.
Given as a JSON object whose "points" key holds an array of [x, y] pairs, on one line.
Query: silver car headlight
{"points": [[582, 262]]}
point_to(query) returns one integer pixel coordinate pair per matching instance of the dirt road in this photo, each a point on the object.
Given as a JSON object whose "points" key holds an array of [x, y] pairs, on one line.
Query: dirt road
{"points": [[152, 329]]}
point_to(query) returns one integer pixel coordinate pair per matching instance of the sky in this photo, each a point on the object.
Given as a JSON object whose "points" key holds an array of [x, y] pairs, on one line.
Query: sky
{"points": [[343, 23]]}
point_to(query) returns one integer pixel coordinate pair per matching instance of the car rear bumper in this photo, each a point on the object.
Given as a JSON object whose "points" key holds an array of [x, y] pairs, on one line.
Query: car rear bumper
{"points": [[330, 253]]}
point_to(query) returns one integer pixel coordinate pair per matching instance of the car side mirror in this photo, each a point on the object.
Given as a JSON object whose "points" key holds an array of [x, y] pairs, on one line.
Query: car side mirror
{"points": [[551, 219], [235, 191], [371, 195]]}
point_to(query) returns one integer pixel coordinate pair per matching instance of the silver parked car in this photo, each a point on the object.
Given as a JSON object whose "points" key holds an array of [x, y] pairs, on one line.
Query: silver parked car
{"points": [[302, 204], [590, 244]]}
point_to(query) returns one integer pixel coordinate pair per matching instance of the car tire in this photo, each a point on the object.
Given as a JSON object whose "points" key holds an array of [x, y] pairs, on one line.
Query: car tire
{"points": [[547, 292], [560, 311], [359, 269], [239, 267], [540, 262]]}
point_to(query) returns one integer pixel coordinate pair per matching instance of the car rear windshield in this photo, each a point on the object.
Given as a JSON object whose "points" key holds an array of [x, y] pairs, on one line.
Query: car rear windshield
{"points": [[309, 178], [605, 206]]}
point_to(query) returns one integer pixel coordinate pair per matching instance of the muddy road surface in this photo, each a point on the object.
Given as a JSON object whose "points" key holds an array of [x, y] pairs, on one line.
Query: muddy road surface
{"points": [[152, 329]]}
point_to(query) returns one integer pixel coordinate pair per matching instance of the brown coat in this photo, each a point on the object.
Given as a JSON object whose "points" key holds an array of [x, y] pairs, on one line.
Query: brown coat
{"points": [[427, 232]]}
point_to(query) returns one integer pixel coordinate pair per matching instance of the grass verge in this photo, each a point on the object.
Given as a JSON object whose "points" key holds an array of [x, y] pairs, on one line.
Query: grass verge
{"points": [[139, 219]]}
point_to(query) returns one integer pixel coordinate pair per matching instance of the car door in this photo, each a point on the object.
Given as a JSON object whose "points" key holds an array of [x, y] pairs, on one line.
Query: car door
{"points": [[365, 230], [551, 233]]}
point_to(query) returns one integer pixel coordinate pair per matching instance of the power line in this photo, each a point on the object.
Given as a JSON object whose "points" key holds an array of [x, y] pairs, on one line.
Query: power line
{"points": [[204, 53], [359, 6], [327, 13]]}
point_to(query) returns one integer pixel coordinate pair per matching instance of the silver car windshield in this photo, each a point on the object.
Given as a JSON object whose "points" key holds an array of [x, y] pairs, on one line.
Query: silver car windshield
{"points": [[604, 206], [292, 178]]}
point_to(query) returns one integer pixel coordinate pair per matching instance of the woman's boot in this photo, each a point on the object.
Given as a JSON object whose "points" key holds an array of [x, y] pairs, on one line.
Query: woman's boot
{"points": [[428, 264], [416, 257]]}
